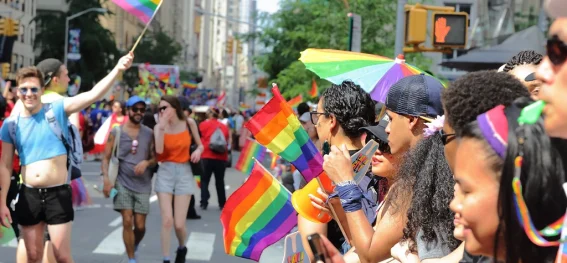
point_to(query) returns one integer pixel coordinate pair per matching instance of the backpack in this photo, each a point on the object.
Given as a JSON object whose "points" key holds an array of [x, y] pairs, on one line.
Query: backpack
{"points": [[217, 142], [73, 144]]}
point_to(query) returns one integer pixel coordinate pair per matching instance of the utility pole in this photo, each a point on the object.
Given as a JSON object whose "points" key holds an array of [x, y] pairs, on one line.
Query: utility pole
{"points": [[236, 67], [400, 28]]}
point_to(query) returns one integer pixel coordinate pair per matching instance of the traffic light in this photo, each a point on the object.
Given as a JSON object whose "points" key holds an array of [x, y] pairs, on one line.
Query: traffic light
{"points": [[5, 70], [239, 47], [3, 26], [450, 29], [229, 45], [416, 26]]}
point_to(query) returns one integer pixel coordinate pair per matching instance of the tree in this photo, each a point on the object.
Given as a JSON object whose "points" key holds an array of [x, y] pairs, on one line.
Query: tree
{"points": [[299, 25], [98, 49]]}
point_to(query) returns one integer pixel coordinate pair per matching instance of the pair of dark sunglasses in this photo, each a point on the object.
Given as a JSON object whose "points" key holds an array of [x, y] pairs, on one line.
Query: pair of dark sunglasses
{"points": [[25, 90], [446, 137], [138, 109], [382, 146], [556, 50]]}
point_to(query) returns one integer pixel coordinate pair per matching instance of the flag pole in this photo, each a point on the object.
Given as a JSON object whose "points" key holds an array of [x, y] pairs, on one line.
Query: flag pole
{"points": [[146, 28]]}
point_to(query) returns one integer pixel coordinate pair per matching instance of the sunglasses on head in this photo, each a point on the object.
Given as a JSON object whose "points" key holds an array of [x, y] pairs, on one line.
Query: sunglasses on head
{"points": [[382, 146], [25, 90], [556, 50], [138, 109]]}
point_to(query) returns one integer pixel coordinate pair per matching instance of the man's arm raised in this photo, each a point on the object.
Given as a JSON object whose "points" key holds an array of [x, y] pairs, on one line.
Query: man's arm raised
{"points": [[5, 174], [83, 100]]}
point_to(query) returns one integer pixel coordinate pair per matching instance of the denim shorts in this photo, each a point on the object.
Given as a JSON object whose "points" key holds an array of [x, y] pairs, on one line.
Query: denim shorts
{"points": [[175, 178]]}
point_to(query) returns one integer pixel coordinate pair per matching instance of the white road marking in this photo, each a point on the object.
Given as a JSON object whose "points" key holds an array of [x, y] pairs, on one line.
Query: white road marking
{"points": [[200, 246], [111, 244], [118, 221]]}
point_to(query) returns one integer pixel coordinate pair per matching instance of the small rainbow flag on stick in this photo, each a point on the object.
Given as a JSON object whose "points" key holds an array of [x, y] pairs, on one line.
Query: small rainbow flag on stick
{"points": [[295, 101], [198, 180], [257, 215], [251, 150], [278, 129], [142, 9], [313, 92]]}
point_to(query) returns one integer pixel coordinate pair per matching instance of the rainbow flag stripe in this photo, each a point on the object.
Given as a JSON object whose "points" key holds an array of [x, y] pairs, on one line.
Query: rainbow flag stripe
{"points": [[198, 180], [142, 9], [246, 160], [189, 85], [278, 129], [314, 91], [257, 215], [295, 101]]}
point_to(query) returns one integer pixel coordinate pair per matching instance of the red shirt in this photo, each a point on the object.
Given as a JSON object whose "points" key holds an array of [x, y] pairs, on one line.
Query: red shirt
{"points": [[15, 160], [207, 129]]}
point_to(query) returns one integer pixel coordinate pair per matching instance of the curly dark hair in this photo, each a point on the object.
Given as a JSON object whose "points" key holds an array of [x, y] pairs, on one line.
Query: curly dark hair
{"points": [[425, 171], [351, 105], [542, 175], [478, 92], [524, 57]]}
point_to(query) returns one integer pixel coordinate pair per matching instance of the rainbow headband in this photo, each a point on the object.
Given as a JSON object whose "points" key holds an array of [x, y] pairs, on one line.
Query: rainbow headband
{"points": [[494, 127]]}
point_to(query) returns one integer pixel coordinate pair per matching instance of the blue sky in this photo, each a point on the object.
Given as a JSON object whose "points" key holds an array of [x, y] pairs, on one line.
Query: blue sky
{"points": [[270, 6]]}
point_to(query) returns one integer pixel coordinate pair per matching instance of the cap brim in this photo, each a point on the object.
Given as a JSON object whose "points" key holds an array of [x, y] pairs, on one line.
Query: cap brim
{"points": [[378, 131]]}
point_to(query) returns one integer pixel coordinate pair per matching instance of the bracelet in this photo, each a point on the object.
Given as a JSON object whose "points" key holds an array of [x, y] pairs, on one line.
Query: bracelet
{"points": [[350, 196], [345, 183]]}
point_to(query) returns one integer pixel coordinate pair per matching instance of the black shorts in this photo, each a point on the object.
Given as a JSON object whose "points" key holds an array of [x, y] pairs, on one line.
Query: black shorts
{"points": [[50, 205]]}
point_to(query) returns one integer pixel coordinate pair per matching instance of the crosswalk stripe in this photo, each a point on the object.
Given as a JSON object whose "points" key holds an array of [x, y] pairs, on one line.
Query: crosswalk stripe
{"points": [[111, 244], [200, 246]]}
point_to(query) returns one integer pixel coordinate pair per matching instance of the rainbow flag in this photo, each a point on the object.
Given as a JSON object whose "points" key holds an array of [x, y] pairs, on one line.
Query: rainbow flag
{"points": [[246, 160], [257, 215], [274, 161], [198, 180], [189, 84], [295, 101], [313, 92], [277, 128], [142, 9]]}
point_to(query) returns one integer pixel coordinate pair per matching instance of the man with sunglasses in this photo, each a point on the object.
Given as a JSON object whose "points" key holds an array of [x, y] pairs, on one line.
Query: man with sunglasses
{"points": [[553, 73], [45, 196], [136, 153]]}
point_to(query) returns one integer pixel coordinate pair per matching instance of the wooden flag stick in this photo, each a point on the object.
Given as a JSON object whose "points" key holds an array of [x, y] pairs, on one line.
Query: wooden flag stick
{"points": [[146, 28]]}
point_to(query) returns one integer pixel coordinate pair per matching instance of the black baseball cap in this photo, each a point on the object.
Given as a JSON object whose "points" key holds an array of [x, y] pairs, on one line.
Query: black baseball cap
{"points": [[49, 68], [379, 130], [416, 95]]}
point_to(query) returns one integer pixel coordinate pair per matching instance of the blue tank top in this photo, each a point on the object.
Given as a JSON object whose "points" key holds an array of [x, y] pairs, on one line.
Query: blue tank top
{"points": [[35, 141]]}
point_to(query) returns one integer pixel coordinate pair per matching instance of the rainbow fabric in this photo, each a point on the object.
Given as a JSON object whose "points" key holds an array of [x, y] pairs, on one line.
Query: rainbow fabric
{"points": [[257, 215], [295, 101], [142, 9], [278, 129], [313, 92], [198, 180], [274, 161], [251, 151], [189, 85]]}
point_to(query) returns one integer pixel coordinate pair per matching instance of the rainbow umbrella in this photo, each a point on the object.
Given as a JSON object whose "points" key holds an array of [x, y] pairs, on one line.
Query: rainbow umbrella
{"points": [[375, 74]]}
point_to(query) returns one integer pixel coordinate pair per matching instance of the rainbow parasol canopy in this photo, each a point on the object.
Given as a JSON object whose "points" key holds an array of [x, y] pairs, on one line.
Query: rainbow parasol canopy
{"points": [[375, 74]]}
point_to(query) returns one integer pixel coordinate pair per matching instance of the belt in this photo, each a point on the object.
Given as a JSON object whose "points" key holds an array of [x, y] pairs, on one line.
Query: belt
{"points": [[47, 189]]}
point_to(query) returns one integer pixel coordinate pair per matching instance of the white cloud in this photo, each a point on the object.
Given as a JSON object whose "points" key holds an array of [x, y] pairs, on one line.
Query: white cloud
{"points": [[270, 6]]}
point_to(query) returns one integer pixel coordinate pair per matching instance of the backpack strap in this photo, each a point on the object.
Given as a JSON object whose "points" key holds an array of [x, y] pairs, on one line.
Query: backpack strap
{"points": [[56, 128], [12, 126]]}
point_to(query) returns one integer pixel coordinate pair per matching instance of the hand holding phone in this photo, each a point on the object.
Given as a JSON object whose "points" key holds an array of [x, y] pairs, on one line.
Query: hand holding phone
{"points": [[318, 248], [113, 193]]}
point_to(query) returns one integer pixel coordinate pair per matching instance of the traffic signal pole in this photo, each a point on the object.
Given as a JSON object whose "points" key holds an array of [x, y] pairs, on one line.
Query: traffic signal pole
{"points": [[400, 28]]}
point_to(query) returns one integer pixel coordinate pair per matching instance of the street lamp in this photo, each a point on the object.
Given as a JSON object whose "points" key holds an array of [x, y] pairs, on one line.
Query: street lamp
{"points": [[69, 18]]}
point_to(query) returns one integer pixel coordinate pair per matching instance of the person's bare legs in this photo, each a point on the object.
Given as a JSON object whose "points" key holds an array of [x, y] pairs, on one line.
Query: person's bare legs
{"points": [[139, 228], [33, 242], [165, 200], [48, 254], [22, 257], [61, 241], [127, 231], [181, 203]]}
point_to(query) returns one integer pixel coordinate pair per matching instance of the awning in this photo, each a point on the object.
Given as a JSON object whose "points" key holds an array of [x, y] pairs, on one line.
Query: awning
{"points": [[495, 56]]}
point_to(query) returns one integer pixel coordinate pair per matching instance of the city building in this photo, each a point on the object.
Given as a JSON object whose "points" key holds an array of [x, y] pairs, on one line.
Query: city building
{"points": [[124, 27], [22, 11]]}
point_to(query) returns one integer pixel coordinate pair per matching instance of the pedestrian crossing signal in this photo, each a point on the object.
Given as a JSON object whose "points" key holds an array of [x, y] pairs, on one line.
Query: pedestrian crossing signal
{"points": [[450, 29]]}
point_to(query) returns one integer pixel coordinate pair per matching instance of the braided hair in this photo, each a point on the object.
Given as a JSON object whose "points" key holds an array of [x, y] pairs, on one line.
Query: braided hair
{"points": [[524, 57]]}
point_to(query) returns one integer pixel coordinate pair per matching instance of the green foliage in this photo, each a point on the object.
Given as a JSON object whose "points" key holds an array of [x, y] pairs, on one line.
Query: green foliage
{"points": [[299, 25], [98, 49], [523, 21]]}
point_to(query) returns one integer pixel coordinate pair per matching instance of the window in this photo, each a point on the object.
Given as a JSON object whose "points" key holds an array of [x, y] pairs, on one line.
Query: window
{"points": [[32, 37], [22, 33]]}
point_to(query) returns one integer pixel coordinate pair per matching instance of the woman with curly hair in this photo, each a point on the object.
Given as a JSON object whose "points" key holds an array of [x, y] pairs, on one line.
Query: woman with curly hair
{"points": [[514, 166], [341, 112]]}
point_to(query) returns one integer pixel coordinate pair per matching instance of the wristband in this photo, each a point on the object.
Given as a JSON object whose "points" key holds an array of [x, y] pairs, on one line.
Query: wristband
{"points": [[345, 183], [350, 196]]}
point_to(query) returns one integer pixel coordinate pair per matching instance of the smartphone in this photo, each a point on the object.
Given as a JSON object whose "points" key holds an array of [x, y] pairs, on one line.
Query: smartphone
{"points": [[113, 193], [316, 244], [326, 148]]}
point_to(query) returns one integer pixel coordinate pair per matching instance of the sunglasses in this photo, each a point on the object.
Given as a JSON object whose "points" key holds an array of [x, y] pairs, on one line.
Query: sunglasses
{"points": [[24, 90], [138, 109], [162, 109], [556, 50], [134, 149], [445, 137], [382, 146]]}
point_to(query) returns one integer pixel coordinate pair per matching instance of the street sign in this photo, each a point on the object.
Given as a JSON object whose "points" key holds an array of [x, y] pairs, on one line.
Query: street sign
{"points": [[355, 36], [450, 29]]}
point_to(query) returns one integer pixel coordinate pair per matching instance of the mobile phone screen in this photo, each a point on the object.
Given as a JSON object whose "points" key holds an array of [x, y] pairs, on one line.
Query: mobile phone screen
{"points": [[317, 247]]}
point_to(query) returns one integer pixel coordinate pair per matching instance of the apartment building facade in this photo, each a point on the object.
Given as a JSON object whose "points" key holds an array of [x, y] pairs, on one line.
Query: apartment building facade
{"points": [[23, 11]]}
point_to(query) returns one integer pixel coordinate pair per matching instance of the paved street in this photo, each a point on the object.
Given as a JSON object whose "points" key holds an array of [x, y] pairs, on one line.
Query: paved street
{"points": [[97, 231]]}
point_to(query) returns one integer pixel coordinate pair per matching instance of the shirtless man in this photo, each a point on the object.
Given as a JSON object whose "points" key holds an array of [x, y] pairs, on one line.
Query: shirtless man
{"points": [[45, 196]]}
